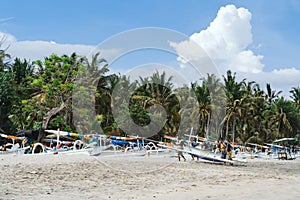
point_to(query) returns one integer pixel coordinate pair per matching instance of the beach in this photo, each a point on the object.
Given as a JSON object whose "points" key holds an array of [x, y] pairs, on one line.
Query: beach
{"points": [[143, 177]]}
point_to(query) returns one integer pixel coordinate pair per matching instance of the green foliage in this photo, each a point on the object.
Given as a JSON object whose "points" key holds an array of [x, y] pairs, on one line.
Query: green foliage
{"points": [[41, 94], [7, 97]]}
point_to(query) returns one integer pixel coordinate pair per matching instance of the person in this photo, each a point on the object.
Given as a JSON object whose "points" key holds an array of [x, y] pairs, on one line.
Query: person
{"points": [[194, 144], [228, 150], [193, 157], [293, 150], [267, 151], [217, 147], [180, 147], [223, 149]]}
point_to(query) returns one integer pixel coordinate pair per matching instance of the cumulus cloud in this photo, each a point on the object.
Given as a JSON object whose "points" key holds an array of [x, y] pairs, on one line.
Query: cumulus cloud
{"points": [[227, 42]]}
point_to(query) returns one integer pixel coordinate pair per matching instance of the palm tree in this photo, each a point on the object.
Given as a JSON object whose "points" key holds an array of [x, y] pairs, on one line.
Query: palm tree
{"points": [[253, 105], [21, 70], [271, 95], [204, 101], [158, 90], [4, 57], [211, 99], [296, 95], [89, 79], [234, 94], [7, 99], [282, 116], [105, 89]]}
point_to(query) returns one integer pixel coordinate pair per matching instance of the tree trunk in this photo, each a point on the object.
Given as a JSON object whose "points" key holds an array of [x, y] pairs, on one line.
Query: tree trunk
{"points": [[47, 118], [227, 127], [233, 129], [278, 130], [207, 126]]}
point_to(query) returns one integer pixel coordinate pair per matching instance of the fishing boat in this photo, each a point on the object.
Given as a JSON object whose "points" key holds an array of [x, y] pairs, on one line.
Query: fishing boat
{"points": [[126, 146], [202, 148], [58, 144], [13, 144], [204, 156]]}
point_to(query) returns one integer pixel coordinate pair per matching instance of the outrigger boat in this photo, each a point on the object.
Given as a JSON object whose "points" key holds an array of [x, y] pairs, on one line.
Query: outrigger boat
{"points": [[103, 145], [11, 146], [133, 145], [152, 148], [91, 147], [21, 144], [205, 156], [123, 146], [197, 149]]}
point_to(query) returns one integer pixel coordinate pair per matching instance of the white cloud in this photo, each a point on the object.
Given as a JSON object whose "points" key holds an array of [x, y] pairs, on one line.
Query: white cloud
{"points": [[40, 49], [34, 50], [287, 72], [7, 38], [227, 42], [280, 80], [227, 39]]}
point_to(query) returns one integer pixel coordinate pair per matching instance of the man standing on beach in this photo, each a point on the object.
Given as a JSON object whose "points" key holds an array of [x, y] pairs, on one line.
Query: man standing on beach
{"points": [[222, 149], [228, 150], [180, 147]]}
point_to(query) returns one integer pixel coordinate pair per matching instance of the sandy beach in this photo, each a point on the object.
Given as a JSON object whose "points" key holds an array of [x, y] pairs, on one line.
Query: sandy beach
{"points": [[154, 177]]}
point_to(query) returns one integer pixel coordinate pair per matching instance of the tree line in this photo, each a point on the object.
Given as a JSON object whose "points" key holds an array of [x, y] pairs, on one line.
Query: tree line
{"points": [[40, 95]]}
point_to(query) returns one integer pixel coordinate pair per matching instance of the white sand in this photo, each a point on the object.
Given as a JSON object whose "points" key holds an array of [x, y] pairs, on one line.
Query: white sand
{"points": [[85, 177]]}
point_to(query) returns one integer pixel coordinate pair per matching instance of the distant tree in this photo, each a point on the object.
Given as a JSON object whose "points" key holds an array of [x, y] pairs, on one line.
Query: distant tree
{"points": [[271, 95], [54, 83], [21, 72], [295, 95], [4, 56], [7, 98], [234, 93], [90, 76], [7, 90]]}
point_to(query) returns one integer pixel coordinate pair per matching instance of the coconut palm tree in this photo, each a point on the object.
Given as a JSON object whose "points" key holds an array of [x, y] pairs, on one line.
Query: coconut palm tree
{"points": [[4, 56], [295, 95], [105, 89], [280, 107], [271, 95], [21, 70], [88, 80], [253, 104], [234, 93], [158, 89], [7, 99], [203, 97]]}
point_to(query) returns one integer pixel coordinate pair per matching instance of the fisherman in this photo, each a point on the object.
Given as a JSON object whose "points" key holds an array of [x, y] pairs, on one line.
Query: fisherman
{"points": [[194, 144], [180, 153], [228, 150], [223, 149], [293, 150], [217, 147]]}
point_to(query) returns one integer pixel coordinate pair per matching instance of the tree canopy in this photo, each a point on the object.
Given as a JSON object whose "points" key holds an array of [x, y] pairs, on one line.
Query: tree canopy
{"points": [[40, 95]]}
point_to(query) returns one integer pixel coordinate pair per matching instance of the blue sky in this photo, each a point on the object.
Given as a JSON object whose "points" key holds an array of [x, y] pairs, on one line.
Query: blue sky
{"points": [[275, 24]]}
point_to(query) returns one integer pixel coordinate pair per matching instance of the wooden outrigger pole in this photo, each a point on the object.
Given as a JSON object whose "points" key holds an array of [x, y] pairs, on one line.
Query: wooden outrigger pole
{"points": [[11, 137]]}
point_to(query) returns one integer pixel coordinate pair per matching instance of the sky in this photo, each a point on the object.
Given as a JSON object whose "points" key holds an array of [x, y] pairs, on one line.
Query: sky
{"points": [[259, 40]]}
